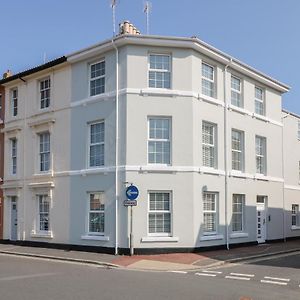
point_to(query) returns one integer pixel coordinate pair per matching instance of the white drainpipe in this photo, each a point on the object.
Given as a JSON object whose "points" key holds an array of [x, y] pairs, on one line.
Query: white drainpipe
{"points": [[225, 155], [117, 148]]}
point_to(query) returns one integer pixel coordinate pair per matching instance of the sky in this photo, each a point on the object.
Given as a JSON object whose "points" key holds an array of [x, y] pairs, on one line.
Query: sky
{"points": [[262, 33]]}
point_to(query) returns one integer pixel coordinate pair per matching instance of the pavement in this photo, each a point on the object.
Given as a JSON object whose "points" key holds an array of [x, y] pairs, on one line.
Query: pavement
{"points": [[159, 262]]}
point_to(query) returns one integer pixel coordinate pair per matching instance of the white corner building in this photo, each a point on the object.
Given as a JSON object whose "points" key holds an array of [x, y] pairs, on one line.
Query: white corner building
{"points": [[201, 134]]}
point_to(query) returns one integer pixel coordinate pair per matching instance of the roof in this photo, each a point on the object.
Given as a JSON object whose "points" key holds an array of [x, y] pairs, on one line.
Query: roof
{"points": [[289, 113], [38, 68]]}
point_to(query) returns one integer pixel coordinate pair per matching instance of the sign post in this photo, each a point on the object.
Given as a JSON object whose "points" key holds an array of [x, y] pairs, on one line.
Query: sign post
{"points": [[132, 193]]}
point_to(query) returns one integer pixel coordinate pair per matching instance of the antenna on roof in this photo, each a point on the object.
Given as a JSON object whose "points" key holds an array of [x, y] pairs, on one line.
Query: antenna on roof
{"points": [[147, 10], [45, 57], [113, 4]]}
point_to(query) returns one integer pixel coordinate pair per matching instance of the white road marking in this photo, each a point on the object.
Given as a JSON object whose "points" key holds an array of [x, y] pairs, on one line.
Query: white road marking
{"points": [[179, 272], [274, 282], [204, 274], [26, 276], [238, 278], [241, 274], [210, 271], [276, 278]]}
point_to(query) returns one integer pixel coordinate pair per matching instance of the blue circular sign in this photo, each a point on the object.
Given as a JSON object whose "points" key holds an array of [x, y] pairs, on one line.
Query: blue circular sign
{"points": [[132, 192]]}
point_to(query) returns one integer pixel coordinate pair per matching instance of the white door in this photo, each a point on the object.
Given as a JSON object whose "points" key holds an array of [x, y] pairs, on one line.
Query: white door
{"points": [[14, 219], [261, 222]]}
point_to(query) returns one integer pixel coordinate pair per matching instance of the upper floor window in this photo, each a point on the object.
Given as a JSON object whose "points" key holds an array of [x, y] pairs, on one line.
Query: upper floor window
{"points": [[160, 71], [14, 102], [260, 150], [96, 147], [45, 87], [237, 150], [208, 80], [159, 136], [13, 143], [44, 151], [259, 101], [97, 78], [295, 215], [209, 147], [0, 101], [236, 91], [298, 130], [210, 213], [96, 215]]}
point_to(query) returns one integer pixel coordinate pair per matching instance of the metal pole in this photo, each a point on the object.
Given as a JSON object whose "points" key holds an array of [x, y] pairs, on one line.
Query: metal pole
{"points": [[131, 233]]}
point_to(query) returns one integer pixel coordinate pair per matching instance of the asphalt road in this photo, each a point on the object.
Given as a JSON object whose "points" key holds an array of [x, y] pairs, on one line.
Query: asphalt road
{"points": [[24, 278]]}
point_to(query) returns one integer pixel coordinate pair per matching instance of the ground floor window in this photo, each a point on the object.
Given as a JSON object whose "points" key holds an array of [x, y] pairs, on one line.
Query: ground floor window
{"points": [[295, 215], [159, 213], [210, 217], [96, 215], [237, 221], [44, 212]]}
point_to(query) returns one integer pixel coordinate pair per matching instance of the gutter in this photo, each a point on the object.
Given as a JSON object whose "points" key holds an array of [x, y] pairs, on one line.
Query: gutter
{"points": [[117, 150]]}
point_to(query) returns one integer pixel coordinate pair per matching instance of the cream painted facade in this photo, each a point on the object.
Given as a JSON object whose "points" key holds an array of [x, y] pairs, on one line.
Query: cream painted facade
{"points": [[203, 206]]}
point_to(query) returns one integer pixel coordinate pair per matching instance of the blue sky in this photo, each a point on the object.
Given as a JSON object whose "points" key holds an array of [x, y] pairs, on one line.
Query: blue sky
{"points": [[262, 33]]}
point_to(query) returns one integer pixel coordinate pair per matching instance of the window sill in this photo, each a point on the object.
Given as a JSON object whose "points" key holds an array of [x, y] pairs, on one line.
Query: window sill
{"points": [[153, 239], [47, 235], [95, 237], [295, 227], [238, 235], [211, 100], [238, 109], [212, 237]]}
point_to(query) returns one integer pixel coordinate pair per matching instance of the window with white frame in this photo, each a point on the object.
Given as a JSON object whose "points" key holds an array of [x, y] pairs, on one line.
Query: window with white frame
{"points": [[259, 101], [45, 87], [160, 71], [13, 145], [159, 217], [237, 150], [236, 91], [96, 215], [238, 202], [210, 216], [43, 213], [14, 102], [208, 80], [97, 78], [295, 215], [209, 144], [96, 147], [44, 151], [260, 150], [298, 130], [159, 136]]}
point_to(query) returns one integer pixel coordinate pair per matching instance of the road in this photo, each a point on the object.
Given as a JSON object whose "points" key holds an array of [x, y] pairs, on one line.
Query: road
{"points": [[32, 279]]}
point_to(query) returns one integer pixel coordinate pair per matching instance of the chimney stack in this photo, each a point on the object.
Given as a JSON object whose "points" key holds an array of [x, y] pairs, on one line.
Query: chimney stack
{"points": [[127, 28], [7, 74]]}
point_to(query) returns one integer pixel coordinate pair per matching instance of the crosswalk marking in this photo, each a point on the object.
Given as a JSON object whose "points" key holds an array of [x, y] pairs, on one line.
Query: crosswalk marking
{"points": [[241, 274], [277, 278], [237, 277], [274, 282], [205, 274]]}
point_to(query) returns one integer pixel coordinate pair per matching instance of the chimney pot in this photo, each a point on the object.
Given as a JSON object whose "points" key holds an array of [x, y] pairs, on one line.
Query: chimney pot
{"points": [[7, 74]]}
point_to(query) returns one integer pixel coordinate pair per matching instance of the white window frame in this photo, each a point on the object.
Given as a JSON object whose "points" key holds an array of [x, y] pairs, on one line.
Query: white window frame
{"points": [[161, 234], [90, 144], [215, 212], [98, 77], [212, 81], [299, 130], [43, 100], [100, 211], [163, 71], [237, 91], [240, 152], [43, 153], [261, 156], [14, 155], [295, 215], [241, 198], [14, 94], [44, 198], [260, 101], [211, 146], [169, 140]]}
